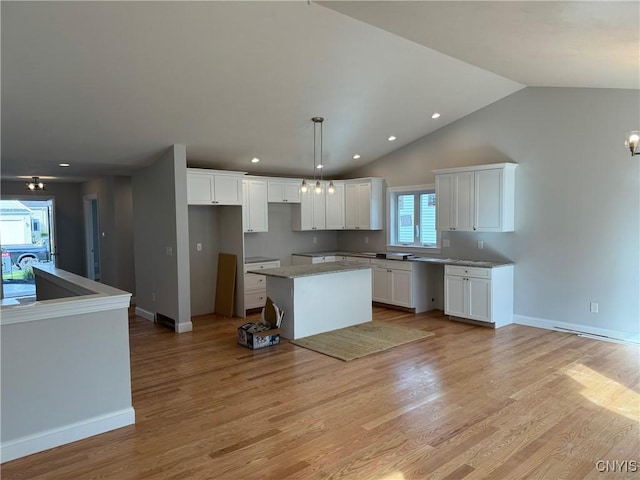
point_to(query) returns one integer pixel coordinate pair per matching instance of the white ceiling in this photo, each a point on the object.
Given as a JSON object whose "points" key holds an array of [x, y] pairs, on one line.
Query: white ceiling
{"points": [[107, 86]]}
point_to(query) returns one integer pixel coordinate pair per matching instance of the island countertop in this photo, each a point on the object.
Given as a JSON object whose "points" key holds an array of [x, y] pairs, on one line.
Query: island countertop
{"points": [[296, 271]]}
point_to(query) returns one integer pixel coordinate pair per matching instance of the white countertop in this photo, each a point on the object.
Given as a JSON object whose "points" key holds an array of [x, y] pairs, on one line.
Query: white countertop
{"points": [[90, 297], [412, 258], [296, 271]]}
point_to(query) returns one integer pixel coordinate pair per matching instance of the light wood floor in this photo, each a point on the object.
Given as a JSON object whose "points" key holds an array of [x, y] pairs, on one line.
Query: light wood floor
{"points": [[469, 403]]}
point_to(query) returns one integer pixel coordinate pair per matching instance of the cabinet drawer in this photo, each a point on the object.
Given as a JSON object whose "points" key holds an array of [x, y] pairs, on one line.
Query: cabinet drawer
{"points": [[253, 281], [475, 272], [248, 267], [362, 260], [391, 264], [254, 299]]}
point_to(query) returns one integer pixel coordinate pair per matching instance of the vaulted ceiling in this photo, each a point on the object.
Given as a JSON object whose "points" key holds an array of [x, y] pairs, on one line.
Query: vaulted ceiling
{"points": [[107, 86]]}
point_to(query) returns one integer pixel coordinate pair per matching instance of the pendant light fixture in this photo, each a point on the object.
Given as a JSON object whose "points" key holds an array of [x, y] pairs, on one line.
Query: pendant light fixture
{"points": [[632, 141], [35, 184], [317, 162]]}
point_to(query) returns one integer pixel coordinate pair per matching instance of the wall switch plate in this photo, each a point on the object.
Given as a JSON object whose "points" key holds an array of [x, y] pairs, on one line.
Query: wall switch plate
{"points": [[480, 244], [446, 242], [593, 307], [366, 239], [315, 240], [199, 247], [169, 251]]}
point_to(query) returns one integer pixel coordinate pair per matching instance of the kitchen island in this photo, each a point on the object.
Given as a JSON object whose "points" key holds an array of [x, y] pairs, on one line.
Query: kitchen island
{"points": [[320, 298]]}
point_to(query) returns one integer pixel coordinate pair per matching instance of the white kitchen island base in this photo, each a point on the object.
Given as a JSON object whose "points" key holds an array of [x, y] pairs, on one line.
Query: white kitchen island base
{"points": [[320, 298]]}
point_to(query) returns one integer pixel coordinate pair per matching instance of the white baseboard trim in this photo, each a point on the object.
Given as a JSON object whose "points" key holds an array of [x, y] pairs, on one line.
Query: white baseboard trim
{"points": [[146, 314], [69, 433], [607, 335], [184, 327]]}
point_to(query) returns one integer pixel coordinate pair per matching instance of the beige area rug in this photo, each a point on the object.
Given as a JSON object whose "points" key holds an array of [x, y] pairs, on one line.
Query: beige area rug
{"points": [[361, 340]]}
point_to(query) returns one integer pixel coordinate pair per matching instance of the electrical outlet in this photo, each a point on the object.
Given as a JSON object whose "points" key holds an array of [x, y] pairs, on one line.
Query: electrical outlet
{"points": [[366, 239], [153, 296], [199, 247], [480, 244], [315, 240], [169, 251], [593, 307]]}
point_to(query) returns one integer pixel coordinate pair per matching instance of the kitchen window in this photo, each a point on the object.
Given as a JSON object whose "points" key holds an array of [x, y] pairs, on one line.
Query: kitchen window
{"points": [[412, 217]]}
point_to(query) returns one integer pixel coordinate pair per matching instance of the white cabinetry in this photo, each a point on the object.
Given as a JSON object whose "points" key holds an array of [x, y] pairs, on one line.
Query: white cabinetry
{"points": [[310, 214], [255, 208], [213, 187], [282, 190], [255, 286], [311, 260], [335, 213], [454, 201], [480, 198], [481, 294], [400, 283], [363, 204]]}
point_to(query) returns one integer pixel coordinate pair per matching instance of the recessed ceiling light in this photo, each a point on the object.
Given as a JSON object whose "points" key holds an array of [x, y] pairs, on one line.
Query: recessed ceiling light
{"points": [[65, 165], [255, 160], [435, 115], [391, 138], [356, 156], [320, 166]]}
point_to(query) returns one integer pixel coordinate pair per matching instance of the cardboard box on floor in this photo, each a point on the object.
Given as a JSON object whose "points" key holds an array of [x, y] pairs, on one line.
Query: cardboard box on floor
{"points": [[265, 338]]}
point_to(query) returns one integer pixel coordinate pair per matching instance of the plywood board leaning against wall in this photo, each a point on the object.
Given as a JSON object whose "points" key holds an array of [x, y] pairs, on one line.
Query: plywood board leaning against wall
{"points": [[225, 284]]}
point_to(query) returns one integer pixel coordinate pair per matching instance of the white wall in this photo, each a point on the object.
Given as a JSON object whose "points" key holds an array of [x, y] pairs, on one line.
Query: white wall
{"points": [[577, 237], [161, 238]]}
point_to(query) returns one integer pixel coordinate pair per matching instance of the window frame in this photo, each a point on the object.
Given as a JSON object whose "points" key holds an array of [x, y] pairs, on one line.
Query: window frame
{"points": [[392, 202]]}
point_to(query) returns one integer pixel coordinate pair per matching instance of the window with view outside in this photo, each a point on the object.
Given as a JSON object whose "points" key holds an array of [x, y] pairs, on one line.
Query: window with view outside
{"points": [[416, 219]]}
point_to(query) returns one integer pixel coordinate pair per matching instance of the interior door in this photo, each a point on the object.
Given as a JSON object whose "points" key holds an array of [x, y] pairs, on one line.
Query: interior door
{"points": [[92, 237]]}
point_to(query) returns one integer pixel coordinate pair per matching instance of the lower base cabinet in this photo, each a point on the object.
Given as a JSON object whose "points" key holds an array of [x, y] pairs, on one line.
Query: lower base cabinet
{"points": [[403, 284], [255, 286], [480, 294]]}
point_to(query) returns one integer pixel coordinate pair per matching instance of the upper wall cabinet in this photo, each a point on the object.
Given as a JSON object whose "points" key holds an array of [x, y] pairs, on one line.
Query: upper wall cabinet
{"points": [[335, 213], [310, 214], [255, 208], [479, 198], [364, 204], [284, 190], [213, 187]]}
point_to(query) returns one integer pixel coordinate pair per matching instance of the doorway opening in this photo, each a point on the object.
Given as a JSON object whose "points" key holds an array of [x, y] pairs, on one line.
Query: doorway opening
{"points": [[92, 237], [27, 238]]}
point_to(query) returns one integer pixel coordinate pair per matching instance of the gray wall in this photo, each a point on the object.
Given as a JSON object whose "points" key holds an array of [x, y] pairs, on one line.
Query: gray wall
{"points": [[577, 237], [62, 371], [69, 219], [161, 238], [115, 217], [280, 242], [204, 228]]}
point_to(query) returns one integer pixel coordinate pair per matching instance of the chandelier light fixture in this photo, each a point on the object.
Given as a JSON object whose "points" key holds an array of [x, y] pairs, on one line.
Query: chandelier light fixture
{"points": [[633, 142], [317, 162], [35, 184]]}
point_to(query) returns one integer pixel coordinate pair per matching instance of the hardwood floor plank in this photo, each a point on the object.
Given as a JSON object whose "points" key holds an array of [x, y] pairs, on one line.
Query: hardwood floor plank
{"points": [[467, 403]]}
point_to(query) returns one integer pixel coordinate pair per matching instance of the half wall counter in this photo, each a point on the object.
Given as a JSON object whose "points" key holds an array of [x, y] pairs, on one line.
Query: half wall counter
{"points": [[65, 369]]}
